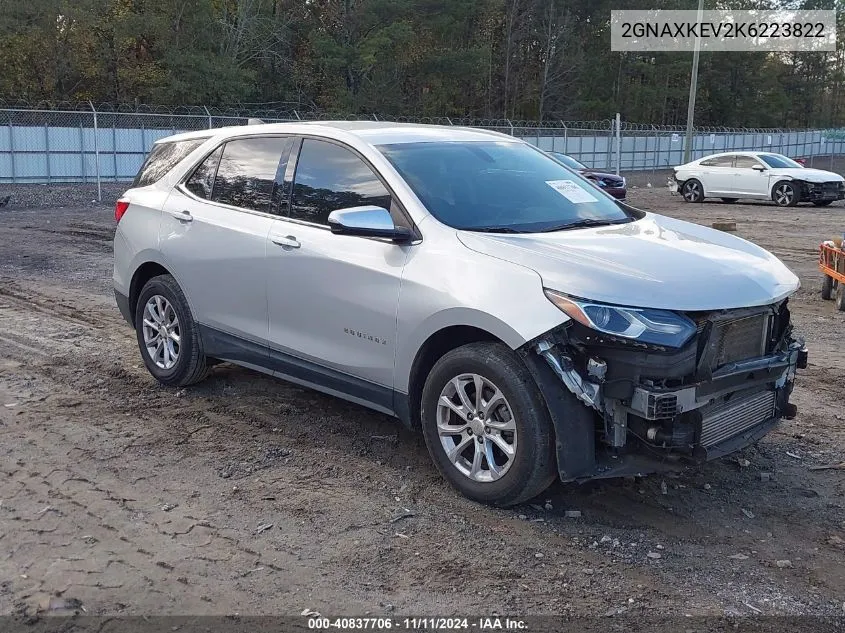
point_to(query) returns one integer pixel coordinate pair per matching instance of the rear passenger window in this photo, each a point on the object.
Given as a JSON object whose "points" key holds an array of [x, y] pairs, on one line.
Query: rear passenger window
{"points": [[201, 182], [330, 177], [718, 161], [251, 173], [162, 158]]}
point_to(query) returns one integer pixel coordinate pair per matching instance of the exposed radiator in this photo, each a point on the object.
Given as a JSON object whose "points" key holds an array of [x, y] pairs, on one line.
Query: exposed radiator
{"points": [[726, 419], [740, 339]]}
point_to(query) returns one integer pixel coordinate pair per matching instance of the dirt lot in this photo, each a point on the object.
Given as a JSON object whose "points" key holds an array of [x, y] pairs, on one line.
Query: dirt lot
{"points": [[248, 495]]}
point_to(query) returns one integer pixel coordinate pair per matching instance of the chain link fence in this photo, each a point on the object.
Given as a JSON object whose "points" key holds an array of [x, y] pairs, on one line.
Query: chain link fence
{"points": [[89, 143]]}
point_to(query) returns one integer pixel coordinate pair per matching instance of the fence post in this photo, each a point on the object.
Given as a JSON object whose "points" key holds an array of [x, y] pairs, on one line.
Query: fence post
{"points": [[47, 150], [114, 144], [97, 153], [511, 125], [565, 136], [208, 114], [12, 148], [618, 143], [656, 152], [82, 152]]}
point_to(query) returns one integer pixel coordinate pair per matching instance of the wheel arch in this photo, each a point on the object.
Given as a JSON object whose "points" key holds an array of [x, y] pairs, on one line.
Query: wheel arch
{"points": [[437, 345], [140, 277]]}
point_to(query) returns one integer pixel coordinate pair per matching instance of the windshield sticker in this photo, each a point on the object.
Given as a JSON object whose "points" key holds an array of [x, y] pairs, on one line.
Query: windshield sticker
{"points": [[572, 192]]}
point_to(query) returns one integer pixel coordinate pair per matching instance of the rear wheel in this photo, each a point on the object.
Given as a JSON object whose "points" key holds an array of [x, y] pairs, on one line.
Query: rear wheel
{"points": [[827, 287], [168, 335], [486, 426], [692, 191], [729, 200], [785, 194], [822, 203]]}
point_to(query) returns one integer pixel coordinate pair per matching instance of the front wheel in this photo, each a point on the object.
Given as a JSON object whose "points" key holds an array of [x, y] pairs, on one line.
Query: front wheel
{"points": [[692, 191], [486, 426], [785, 194], [167, 334]]}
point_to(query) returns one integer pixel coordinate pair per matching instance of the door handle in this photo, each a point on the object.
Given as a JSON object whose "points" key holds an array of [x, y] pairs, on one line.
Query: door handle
{"points": [[183, 216], [288, 241]]}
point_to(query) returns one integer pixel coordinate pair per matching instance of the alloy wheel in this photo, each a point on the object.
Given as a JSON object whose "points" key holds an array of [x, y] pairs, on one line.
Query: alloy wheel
{"points": [[476, 427], [162, 334], [692, 191], [784, 195]]}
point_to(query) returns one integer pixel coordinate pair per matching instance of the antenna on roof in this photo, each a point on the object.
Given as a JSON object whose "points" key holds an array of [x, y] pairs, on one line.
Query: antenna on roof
{"points": [[254, 122]]}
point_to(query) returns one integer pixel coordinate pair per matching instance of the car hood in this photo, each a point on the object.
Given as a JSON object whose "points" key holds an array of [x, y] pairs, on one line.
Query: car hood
{"points": [[808, 174], [655, 262], [600, 174]]}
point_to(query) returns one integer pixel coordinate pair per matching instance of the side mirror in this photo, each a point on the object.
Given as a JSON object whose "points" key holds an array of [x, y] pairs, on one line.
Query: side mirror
{"points": [[758, 167], [367, 221]]}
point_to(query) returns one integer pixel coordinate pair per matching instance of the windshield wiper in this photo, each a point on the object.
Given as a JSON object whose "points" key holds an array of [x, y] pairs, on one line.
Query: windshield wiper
{"points": [[492, 229], [585, 223]]}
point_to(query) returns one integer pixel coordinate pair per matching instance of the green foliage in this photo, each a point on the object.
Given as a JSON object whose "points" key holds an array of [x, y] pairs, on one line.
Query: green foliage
{"points": [[515, 59]]}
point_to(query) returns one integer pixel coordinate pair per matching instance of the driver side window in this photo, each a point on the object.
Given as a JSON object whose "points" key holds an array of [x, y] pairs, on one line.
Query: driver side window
{"points": [[747, 162], [330, 177]]}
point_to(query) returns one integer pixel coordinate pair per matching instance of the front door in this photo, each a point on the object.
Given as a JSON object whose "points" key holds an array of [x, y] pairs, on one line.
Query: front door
{"points": [[751, 177], [333, 299]]}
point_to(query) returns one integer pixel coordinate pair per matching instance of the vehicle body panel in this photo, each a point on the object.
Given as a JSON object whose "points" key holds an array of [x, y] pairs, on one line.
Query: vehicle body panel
{"points": [[333, 299], [219, 259], [448, 285], [637, 264]]}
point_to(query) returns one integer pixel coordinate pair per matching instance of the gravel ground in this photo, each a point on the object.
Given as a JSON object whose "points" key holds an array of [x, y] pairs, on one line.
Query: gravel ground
{"points": [[248, 495], [60, 196]]}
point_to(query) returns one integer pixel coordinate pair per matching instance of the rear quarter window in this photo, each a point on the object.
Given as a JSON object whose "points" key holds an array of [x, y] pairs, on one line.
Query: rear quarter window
{"points": [[162, 158]]}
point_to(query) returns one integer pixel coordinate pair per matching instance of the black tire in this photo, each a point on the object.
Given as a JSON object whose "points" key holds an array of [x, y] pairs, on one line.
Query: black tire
{"points": [[190, 366], [692, 190], [786, 194], [729, 200], [827, 287], [533, 466], [822, 203], [840, 297]]}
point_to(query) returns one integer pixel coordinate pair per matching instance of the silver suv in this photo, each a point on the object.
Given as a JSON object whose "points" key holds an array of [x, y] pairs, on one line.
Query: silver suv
{"points": [[464, 282]]}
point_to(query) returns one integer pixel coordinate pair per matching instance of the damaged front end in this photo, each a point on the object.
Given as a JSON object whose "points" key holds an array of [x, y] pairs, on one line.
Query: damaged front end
{"points": [[649, 407]]}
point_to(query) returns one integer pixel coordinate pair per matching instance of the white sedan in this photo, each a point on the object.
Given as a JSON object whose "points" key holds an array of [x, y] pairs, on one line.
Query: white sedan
{"points": [[759, 175]]}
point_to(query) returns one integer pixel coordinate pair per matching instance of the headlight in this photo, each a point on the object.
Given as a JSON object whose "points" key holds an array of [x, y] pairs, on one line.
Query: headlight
{"points": [[659, 327]]}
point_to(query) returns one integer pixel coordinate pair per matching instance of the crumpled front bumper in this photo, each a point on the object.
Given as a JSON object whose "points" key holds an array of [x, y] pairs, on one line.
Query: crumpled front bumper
{"points": [[635, 425], [739, 398]]}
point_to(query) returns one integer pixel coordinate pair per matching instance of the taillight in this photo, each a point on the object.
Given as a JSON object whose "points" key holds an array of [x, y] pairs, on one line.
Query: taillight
{"points": [[120, 208]]}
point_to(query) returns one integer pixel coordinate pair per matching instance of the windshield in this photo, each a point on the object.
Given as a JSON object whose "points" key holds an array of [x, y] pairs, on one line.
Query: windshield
{"points": [[778, 161], [568, 161], [499, 186]]}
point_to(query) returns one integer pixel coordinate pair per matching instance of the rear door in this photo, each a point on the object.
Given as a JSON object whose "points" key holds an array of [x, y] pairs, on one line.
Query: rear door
{"points": [[333, 298], [214, 235], [717, 176]]}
